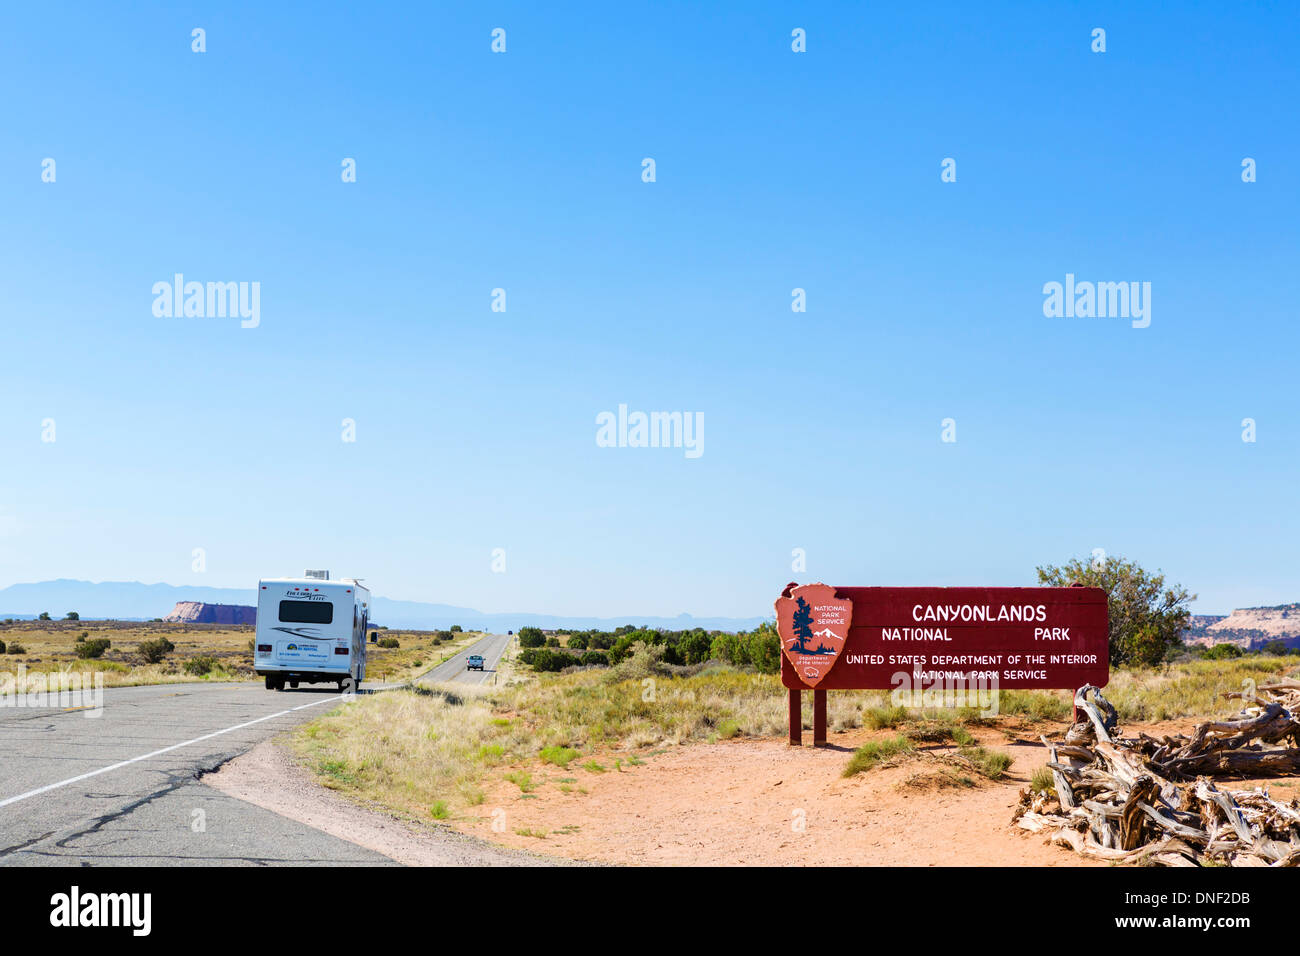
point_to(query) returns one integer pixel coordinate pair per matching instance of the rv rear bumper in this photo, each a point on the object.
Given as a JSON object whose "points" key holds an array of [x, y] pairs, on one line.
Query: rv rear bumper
{"points": [[302, 676]]}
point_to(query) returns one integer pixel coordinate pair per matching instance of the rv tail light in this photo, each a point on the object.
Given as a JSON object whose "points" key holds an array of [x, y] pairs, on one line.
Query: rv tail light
{"points": [[264, 648], [340, 650]]}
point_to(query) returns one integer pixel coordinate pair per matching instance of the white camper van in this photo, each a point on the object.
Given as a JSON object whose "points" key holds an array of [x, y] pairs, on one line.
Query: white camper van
{"points": [[311, 630]]}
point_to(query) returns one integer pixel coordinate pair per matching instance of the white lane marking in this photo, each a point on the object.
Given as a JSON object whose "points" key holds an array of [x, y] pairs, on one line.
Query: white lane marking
{"points": [[95, 773]]}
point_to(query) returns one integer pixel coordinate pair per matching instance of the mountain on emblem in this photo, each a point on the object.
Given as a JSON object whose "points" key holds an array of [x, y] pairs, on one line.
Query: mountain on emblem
{"points": [[813, 624]]}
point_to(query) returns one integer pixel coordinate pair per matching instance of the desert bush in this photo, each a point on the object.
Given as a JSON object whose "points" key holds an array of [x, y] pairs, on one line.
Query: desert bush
{"points": [[1043, 781], [391, 643], [1147, 618], [887, 716], [1223, 652], [875, 752], [729, 728], [695, 647], [531, 637], [759, 648], [595, 659], [546, 659], [456, 629], [642, 661], [155, 650], [15, 648], [991, 763], [94, 647], [560, 756], [199, 666]]}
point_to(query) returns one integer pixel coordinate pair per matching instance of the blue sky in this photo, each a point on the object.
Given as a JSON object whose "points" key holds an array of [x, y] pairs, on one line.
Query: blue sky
{"points": [[476, 429]]}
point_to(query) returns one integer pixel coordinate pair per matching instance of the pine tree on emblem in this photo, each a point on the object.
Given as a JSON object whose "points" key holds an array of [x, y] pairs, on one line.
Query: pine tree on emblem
{"points": [[802, 627]]}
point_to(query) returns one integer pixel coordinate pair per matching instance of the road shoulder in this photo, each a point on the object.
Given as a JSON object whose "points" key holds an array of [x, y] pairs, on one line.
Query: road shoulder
{"points": [[269, 777]]}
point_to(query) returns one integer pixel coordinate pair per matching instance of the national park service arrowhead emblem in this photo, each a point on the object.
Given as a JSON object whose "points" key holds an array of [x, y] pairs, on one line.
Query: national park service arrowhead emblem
{"points": [[813, 624]]}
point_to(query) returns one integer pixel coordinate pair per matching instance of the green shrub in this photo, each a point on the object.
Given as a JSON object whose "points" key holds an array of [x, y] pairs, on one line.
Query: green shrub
{"points": [[456, 629], [199, 666], [560, 756], [991, 763], [390, 642], [880, 718], [522, 779], [1043, 780], [15, 648], [94, 647], [1222, 652], [531, 637], [546, 659], [728, 728], [595, 658], [962, 737], [874, 752], [695, 647], [155, 650], [759, 648]]}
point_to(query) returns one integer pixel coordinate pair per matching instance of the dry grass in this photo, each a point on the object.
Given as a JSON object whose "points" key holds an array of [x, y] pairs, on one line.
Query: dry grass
{"points": [[1190, 689], [49, 647], [410, 749]]}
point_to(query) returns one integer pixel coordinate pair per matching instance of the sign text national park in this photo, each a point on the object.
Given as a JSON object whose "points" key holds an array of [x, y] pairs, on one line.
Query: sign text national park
{"points": [[1000, 638]]}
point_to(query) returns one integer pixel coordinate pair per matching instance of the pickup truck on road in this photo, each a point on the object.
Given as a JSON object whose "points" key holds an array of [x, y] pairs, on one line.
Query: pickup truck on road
{"points": [[474, 662]]}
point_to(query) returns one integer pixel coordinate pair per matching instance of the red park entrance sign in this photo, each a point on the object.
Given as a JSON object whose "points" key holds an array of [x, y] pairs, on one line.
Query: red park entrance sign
{"points": [[922, 639]]}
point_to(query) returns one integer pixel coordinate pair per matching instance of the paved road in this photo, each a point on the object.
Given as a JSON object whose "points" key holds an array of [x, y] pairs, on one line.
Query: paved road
{"points": [[122, 788], [490, 647]]}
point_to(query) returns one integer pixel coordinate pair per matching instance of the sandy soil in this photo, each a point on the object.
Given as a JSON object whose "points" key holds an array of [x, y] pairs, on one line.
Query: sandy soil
{"points": [[268, 776], [737, 802], [740, 802]]}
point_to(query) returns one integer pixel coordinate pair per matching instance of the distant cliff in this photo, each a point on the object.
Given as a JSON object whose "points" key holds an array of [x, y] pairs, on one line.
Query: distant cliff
{"points": [[197, 612], [1250, 628]]}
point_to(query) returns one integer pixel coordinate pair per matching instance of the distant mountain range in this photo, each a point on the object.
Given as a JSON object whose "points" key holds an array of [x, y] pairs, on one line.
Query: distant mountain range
{"points": [[133, 601]]}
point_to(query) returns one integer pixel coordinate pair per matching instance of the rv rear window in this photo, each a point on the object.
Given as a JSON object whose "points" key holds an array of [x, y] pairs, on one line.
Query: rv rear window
{"points": [[307, 612]]}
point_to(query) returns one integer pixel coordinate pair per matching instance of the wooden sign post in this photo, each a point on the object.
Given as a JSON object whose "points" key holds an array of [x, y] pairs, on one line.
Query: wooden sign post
{"points": [[937, 640]]}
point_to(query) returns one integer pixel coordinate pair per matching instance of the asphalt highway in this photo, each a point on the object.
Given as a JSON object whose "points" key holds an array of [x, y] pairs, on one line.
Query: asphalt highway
{"points": [[490, 648], [122, 788]]}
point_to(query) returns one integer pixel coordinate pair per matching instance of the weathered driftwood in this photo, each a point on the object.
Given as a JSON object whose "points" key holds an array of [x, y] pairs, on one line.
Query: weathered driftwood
{"points": [[1143, 800]]}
